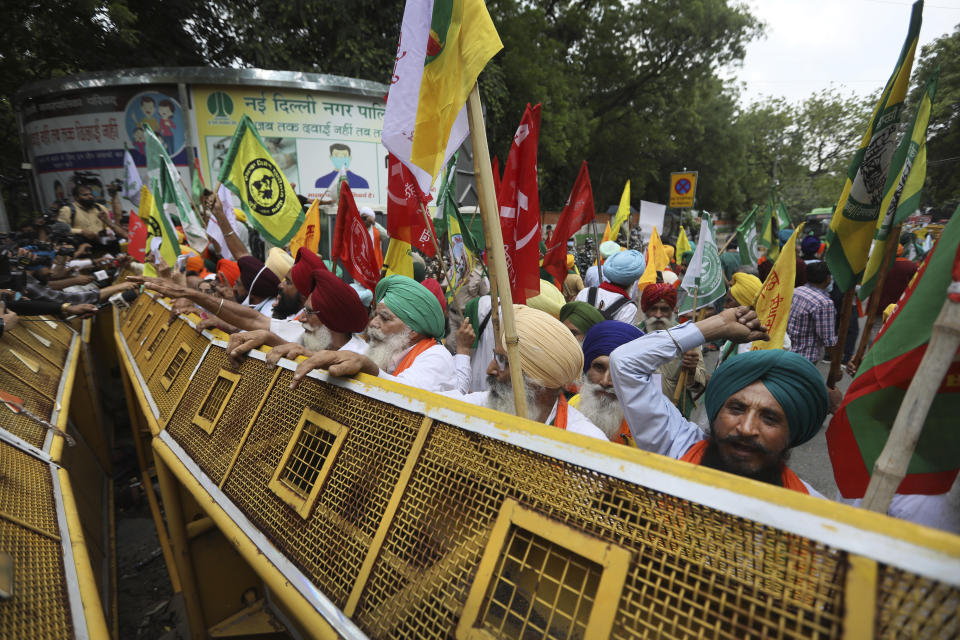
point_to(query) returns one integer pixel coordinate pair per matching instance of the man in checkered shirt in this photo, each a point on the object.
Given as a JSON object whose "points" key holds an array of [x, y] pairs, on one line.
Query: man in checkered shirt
{"points": [[812, 323]]}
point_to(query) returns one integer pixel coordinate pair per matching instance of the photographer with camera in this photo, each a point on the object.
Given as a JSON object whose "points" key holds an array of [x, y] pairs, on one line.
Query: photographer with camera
{"points": [[89, 218]]}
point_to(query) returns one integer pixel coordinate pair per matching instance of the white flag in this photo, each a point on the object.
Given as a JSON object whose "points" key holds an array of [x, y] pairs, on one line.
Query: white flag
{"points": [[132, 183], [214, 230], [704, 274]]}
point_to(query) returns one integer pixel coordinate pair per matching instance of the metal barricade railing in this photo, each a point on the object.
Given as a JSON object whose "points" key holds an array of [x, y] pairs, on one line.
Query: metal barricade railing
{"points": [[371, 508]]}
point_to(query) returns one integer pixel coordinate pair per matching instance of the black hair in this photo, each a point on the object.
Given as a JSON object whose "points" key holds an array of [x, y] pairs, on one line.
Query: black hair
{"points": [[818, 272], [339, 146]]}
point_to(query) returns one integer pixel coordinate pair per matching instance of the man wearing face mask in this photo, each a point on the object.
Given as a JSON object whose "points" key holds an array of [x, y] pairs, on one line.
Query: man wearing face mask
{"points": [[83, 214], [340, 158], [812, 319]]}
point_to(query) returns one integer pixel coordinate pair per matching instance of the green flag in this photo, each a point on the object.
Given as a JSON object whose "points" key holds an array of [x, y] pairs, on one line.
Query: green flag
{"points": [[855, 218], [704, 274], [265, 194], [767, 238], [747, 238], [908, 169], [169, 191], [783, 220]]}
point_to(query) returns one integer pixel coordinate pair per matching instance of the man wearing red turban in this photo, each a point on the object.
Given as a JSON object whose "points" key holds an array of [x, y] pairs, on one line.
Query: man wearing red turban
{"points": [[657, 303], [332, 319]]}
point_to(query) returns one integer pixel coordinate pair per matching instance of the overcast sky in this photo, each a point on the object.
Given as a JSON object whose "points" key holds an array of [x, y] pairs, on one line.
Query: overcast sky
{"points": [[813, 44]]}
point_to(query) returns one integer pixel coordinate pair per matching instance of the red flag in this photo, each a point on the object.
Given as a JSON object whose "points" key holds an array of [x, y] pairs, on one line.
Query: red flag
{"points": [[136, 247], [351, 242], [496, 175], [405, 219], [577, 212], [519, 204]]}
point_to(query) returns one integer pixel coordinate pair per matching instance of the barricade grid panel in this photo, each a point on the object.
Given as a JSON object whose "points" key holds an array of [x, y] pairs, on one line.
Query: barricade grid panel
{"points": [[218, 395], [696, 571], [142, 329], [171, 359], [214, 451], [62, 334], [910, 606], [35, 403], [40, 607], [130, 318], [330, 545], [29, 367], [23, 340], [308, 455], [539, 590], [26, 490]]}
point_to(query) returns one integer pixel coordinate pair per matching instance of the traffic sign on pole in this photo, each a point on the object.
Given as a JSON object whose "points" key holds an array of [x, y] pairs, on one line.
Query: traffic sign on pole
{"points": [[683, 188]]}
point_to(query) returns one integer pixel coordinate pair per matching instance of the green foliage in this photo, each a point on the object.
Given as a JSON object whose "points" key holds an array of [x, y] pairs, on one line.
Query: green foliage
{"points": [[942, 187]]}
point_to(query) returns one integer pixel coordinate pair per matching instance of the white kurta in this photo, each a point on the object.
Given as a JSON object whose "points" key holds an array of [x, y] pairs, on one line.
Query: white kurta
{"points": [[655, 423], [605, 298], [432, 370]]}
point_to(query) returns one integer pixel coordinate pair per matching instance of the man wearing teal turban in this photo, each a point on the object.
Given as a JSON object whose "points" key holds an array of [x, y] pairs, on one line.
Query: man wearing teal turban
{"points": [[403, 335], [760, 404]]}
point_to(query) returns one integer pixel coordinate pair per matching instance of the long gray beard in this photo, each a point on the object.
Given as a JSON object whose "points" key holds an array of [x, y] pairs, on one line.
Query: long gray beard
{"points": [[500, 397], [656, 324], [601, 409], [317, 339], [384, 348]]}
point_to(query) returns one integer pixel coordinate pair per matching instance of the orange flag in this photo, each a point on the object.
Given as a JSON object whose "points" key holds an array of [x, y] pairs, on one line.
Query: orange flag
{"points": [[309, 233]]}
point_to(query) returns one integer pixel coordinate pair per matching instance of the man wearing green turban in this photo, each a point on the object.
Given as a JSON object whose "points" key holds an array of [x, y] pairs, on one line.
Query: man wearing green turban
{"points": [[403, 335], [760, 404], [579, 317]]}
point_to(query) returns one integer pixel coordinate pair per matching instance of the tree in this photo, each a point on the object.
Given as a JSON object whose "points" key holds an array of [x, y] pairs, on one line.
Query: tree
{"points": [[942, 187]]}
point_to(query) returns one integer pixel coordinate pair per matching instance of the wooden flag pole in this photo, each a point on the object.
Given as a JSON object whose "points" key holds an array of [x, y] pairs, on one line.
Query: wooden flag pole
{"points": [[874, 304], [891, 466], [682, 379], [836, 353], [496, 256], [729, 240], [596, 248]]}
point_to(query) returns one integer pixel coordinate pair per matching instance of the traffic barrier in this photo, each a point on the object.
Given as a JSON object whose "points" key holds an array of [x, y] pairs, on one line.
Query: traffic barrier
{"points": [[371, 509]]}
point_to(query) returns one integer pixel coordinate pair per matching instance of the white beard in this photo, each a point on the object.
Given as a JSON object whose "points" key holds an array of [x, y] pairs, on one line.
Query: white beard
{"points": [[500, 397], [656, 324], [601, 409], [385, 349], [316, 339]]}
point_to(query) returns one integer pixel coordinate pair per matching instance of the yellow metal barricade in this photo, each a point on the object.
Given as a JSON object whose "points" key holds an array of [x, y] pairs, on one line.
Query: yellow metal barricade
{"points": [[369, 508]]}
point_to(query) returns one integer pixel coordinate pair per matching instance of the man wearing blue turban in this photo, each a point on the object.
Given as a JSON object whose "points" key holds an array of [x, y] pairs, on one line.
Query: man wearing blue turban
{"points": [[760, 404], [614, 297], [597, 399], [403, 335]]}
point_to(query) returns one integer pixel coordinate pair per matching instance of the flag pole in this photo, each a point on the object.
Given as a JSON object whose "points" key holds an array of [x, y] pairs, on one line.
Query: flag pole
{"points": [[682, 379], [500, 283], [874, 306], [596, 248], [891, 466], [729, 240], [836, 353]]}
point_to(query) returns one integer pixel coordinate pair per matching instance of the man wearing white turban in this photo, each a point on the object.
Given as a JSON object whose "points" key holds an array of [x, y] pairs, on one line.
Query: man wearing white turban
{"points": [[613, 298], [551, 358]]}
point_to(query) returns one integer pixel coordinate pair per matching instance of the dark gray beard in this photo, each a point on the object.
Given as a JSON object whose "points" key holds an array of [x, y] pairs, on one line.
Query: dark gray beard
{"points": [[385, 348], [600, 409], [657, 324], [500, 397]]}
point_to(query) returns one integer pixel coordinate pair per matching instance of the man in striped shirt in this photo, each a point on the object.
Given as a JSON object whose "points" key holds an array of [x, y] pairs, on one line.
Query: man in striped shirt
{"points": [[812, 322]]}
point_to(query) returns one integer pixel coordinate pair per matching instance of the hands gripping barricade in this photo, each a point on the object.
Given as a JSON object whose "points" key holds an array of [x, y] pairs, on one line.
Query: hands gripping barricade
{"points": [[56, 524], [367, 508]]}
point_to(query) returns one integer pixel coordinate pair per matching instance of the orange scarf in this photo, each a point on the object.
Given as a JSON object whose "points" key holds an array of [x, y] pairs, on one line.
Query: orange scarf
{"points": [[377, 249], [788, 478], [408, 359], [560, 420], [624, 436]]}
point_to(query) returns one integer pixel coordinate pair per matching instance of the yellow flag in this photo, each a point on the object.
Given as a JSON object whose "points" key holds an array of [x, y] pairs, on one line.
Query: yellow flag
{"points": [[683, 244], [265, 194], [623, 211], [399, 259], [309, 233], [657, 260], [773, 301], [158, 226]]}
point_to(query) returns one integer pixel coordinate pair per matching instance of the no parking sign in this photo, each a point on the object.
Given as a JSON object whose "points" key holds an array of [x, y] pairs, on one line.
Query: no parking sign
{"points": [[683, 186]]}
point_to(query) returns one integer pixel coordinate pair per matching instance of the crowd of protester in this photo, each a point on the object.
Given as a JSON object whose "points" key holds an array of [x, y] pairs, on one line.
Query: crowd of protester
{"points": [[600, 355]]}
